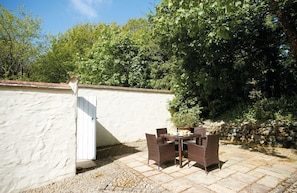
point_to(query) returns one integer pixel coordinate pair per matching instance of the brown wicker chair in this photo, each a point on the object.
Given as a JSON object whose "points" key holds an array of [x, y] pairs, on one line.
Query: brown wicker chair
{"points": [[160, 153], [161, 131], [202, 139], [205, 155], [201, 131]]}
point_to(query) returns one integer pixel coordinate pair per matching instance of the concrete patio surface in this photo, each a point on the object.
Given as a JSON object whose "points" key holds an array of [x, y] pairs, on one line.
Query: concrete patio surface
{"points": [[242, 171]]}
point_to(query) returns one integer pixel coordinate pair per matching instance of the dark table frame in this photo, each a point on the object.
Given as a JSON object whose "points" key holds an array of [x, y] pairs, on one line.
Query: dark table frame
{"points": [[180, 140]]}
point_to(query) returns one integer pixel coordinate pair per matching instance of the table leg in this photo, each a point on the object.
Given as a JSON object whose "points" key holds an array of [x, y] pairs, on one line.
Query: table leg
{"points": [[180, 152]]}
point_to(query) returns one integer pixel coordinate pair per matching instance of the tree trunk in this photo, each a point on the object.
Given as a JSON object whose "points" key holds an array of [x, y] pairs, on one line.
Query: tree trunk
{"points": [[287, 16]]}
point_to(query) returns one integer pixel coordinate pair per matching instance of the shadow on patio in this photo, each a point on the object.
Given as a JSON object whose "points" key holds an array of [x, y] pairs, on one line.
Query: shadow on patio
{"points": [[108, 154]]}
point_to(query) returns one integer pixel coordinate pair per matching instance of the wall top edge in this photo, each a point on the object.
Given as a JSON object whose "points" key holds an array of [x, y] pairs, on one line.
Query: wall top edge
{"points": [[17, 83], [123, 88]]}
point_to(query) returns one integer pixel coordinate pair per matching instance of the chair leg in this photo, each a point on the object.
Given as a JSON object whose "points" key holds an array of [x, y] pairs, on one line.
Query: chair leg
{"points": [[205, 168]]}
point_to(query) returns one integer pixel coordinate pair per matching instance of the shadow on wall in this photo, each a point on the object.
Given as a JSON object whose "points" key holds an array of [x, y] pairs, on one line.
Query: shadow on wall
{"points": [[104, 137]]}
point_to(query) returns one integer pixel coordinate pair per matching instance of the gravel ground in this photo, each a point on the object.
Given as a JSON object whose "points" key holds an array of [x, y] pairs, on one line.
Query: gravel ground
{"points": [[108, 176], [112, 176]]}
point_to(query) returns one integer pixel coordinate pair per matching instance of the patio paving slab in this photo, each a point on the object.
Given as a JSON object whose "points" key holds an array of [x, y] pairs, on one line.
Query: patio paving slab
{"points": [[242, 171], [126, 170]]}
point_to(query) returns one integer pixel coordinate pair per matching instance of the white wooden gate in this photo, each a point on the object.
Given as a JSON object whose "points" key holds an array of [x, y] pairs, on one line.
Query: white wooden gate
{"points": [[86, 127]]}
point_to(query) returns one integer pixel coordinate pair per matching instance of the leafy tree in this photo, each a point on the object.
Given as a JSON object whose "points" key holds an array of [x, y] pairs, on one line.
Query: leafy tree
{"points": [[224, 52], [59, 63], [286, 13], [91, 68], [126, 56], [114, 60], [159, 69], [18, 43]]}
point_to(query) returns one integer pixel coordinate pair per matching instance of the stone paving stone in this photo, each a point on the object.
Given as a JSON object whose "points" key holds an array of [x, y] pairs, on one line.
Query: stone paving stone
{"points": [[267, 158], [135, 155], [202, 178], [255, 188], [246, 167], [237, 158], [171, 169], [190, 170], [283, 166], [177, 185], [245, 178], [290, 163], [161, 178], [199, 189], [257, 160], [150, 173], [177, 174], [232, 184], [142, 168], [140, 157], [272, 172], [228, 163], [224, 172], [248, 164], [277, 170], [256, 174], [240, 168], [269, 181], [220, 189], [133, 164]]}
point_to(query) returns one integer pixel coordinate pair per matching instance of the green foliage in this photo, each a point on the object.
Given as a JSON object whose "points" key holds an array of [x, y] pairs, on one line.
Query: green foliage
{"points": [[221, 58], [18, 43], [126, 57], [285, 12], [278, 109], [220, 48], [281, 108], [112, 61], [59, 62], [185, 114]]}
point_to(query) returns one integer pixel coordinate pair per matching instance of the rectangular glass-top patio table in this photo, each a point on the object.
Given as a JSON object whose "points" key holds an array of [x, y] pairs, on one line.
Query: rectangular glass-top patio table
{"points": [[180, 140]]}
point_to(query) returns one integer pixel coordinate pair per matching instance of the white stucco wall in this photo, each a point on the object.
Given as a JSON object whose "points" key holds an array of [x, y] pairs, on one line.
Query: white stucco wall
{"points": [[38, 136], [38, 127], [125, 115]]}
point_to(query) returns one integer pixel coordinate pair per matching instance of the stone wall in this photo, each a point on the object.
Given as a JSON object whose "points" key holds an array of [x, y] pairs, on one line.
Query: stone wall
{"points": [[37, 134], [273, 133]]}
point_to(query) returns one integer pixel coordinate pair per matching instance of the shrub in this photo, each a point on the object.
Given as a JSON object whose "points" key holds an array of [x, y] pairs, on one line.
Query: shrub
{"points": [[184, 114]]}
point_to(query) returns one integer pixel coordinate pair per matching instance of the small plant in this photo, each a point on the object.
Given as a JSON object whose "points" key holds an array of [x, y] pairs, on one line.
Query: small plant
{"points": [[185, 116]]}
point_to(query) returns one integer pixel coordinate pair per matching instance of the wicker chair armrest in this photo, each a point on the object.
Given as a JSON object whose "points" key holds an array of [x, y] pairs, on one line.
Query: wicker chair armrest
{"points": [[170, 142], [160, 140], [195, 147], [166, 146]]}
